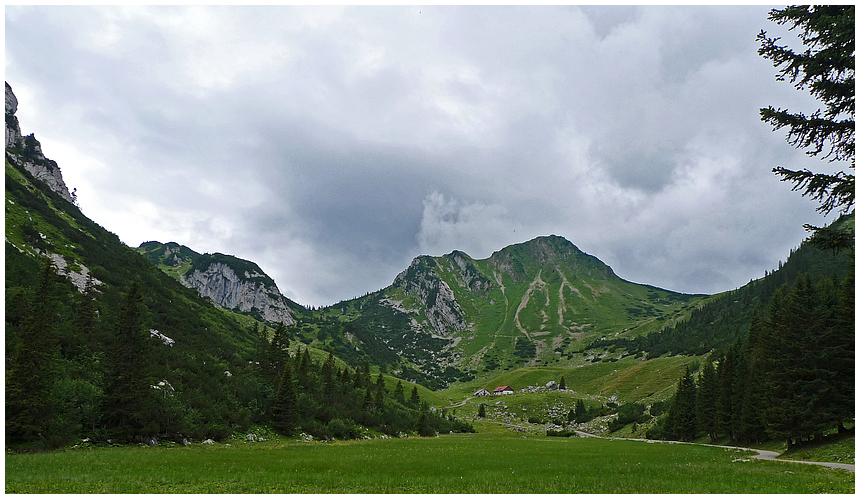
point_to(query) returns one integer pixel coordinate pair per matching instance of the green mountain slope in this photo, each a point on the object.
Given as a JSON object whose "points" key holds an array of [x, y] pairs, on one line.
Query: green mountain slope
{"points": [[537, 303], [101, 343], [228, 281], [723, 318]]}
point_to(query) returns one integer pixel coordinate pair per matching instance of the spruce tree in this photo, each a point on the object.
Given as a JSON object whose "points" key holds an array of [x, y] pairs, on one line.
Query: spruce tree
{"points": [[580, 412], [826, 69], [414, 399], [562, 385], [482, 411], [681, 419], [284, 413], [398, 393], [328, 374], [128, 394], [706, 400], [31, 371]]}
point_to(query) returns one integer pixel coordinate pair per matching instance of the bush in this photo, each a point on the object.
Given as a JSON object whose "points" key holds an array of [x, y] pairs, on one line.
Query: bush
{"points": [[343, 429], [628, 413], [561, 433]]}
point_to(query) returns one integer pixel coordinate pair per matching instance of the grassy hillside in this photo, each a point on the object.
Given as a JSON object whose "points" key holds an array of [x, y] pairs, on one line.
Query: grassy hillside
{"points": [[537, 304], [199, 368], [722, 319]]}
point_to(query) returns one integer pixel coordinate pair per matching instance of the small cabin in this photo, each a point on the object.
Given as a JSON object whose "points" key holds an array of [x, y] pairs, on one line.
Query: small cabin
{"points": [[483, 392], [503, 390]]}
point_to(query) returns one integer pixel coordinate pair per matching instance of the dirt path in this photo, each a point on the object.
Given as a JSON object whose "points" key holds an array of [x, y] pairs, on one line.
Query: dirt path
{"points": [[767, 455]]}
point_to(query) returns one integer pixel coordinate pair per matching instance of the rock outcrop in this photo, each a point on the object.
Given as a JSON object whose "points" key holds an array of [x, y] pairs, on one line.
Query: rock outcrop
{"points": [[440, 306], [26, 151], [220, 283]]}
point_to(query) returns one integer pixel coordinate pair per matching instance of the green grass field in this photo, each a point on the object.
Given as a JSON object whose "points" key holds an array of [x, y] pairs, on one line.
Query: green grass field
{"points": [[487, 462]]}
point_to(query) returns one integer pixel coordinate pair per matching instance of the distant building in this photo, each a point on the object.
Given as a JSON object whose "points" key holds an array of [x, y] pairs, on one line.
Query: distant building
{"points": [[483, 392], [503, 390]]}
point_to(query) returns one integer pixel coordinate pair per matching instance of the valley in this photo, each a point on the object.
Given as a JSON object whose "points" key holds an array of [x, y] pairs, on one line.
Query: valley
{"points": [[187, 351]]}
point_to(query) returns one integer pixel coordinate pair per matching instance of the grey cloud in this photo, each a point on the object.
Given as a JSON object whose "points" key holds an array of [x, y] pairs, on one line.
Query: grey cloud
{"points": [[331, 145]]}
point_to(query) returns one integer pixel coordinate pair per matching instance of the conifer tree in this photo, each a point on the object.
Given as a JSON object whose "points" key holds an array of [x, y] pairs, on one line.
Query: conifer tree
{"points": [[681, 419], [398, 393], [482, 411], [751, 423], [280, 351], [414, 399], [30, 373], [328, 374], [826, 69], [562, 385], [706, 400], [128, 394], [284, 413]]}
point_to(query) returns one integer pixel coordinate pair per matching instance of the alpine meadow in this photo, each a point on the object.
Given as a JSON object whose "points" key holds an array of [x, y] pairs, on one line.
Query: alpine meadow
{"points": [[171, 366]]}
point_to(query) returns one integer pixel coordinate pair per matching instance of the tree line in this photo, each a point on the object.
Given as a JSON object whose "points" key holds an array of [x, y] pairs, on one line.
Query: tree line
{"points": [[87, 365], [790, 378]]}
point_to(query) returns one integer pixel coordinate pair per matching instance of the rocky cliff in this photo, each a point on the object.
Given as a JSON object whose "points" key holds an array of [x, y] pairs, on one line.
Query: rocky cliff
{"points": [[220, 283], [229, 282], [441, 309], [27, 151]]}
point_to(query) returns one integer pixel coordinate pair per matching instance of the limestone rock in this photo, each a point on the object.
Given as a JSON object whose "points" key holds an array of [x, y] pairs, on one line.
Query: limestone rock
{"points": [[440, 306], [220, 283], [27, 152]]}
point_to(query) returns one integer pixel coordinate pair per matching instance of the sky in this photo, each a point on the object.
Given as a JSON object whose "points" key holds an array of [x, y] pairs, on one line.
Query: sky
{"points": [[332, 145]]}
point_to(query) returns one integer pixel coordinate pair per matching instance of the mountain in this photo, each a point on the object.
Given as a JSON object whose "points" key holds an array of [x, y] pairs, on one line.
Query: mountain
{"points": [[724, 318], [542, 302], [103, 344], [230, 282], [26, 152]]}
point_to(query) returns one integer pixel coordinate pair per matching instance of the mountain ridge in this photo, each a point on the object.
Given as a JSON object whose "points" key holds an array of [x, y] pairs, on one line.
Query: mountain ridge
{"points": [[229, 282]]}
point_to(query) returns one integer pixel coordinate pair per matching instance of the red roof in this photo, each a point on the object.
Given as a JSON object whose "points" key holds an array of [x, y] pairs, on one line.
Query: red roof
{"points": [[503, 388]]}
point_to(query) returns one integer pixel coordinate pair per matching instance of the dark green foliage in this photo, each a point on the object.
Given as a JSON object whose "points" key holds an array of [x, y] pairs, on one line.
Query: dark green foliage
{"points": [[560, 433], [524, 350], [680, 423], [284, 410], [791, 378], [806, 346], [562, 385], [30, 373], [826, 69], [706, 400], [580, 413], [128, 394], [724, 319], [482, 411], [399, 397], [632, 412]]}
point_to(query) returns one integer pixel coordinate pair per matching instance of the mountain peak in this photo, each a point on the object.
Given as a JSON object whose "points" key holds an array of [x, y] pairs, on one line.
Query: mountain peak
{"points": [[26, 152]]}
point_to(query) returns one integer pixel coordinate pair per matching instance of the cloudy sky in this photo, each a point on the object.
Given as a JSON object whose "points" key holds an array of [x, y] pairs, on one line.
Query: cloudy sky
{"points": [[332, 145]]}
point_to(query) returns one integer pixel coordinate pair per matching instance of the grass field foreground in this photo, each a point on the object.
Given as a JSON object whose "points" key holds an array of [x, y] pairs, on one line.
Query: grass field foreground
{"points": [[476, 463]]}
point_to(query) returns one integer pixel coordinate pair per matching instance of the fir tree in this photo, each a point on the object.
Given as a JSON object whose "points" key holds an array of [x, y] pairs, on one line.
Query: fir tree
{"points": [[482, 411], [30, 374], [706, 400], [128, 393], [681, 419], [826, 69], [414, 399], [284, 413], [398, 393], [328, 374]]}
